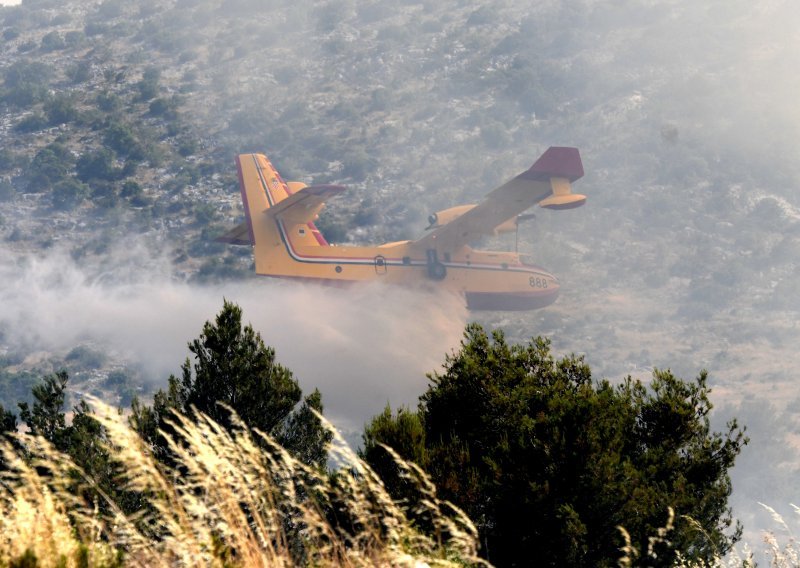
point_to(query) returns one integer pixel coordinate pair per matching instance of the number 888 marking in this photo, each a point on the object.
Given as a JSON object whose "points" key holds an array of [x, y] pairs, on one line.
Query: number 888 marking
{"points": [[537, 282]]}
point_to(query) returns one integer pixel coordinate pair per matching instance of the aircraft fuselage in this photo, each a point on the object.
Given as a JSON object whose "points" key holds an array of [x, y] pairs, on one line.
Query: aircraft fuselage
{"points": [[287, 244]]}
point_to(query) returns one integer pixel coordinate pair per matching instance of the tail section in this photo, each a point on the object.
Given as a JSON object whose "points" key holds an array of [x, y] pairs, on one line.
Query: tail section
{"points": [[254, 171], [279, 215], [262, 188]]}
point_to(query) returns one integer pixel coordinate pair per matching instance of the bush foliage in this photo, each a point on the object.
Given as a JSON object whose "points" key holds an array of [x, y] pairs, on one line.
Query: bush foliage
{"points": [[549, 463]]}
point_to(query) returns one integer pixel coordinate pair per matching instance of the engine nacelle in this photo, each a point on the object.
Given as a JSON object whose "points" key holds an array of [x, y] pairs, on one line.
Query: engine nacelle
{"points": [[441, 218]]}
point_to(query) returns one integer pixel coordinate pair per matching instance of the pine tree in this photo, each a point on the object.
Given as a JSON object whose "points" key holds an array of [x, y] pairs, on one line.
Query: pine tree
{"points": [[46, 418], [84, 440], [8, 425], [549, 463], [234, 367]]}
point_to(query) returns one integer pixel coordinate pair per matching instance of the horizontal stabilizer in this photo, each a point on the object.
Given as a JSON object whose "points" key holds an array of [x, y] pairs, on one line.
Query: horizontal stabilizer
{"points": [[239, 235], [304, 205]]}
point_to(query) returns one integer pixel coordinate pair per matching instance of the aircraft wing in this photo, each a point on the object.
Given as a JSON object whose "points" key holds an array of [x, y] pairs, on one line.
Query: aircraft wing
{"points": [[547, 182]]}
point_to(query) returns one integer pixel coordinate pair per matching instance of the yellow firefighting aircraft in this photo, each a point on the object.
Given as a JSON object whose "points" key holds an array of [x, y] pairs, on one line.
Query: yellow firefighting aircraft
{"points": [[279, 224]]}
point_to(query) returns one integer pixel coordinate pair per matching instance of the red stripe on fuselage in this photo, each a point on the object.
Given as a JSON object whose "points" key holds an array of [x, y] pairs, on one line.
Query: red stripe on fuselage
{"points": [[317, 235]]}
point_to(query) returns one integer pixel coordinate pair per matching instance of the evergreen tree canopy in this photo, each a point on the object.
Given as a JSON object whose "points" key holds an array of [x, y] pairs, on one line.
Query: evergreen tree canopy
{"points": [[8, 422], [405, 434], [8, 425], [549, 463], [233, 366], [84, 439], [46, 417]]}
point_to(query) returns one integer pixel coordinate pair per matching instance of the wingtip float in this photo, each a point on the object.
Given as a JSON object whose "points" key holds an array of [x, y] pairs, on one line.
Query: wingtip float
{"points": [[279, 224]]}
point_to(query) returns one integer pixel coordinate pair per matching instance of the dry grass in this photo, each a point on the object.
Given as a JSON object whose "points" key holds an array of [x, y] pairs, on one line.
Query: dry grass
{"points": [[230, 502], [785, 555], [737, 558]]}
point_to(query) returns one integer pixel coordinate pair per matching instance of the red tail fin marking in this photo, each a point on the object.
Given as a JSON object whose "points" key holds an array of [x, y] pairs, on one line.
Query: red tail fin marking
{"points": [[557, 161]]}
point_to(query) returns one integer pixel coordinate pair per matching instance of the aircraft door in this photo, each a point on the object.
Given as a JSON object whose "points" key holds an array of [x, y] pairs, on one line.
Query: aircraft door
{"points": [[380, 264]]}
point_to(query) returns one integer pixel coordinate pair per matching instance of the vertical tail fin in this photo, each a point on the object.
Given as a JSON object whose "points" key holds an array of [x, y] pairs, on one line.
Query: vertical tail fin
{"points": [[254, 199], [261, 187]]}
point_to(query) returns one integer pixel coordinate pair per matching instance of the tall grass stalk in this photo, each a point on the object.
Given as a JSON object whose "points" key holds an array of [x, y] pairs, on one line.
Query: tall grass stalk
{"points": [[788, 554], [235, 498], [631, 556]]}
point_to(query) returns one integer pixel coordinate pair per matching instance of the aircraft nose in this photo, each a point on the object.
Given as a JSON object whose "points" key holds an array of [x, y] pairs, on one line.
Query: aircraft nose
{"points": [[553, 286], [543, 283]]}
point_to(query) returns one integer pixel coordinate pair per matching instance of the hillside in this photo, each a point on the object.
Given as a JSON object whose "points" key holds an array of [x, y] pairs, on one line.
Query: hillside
{"points": [[120, 121]]}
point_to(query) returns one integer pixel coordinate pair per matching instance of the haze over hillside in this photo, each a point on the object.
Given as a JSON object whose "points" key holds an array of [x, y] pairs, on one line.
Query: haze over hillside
{"points": [[121, 119]]}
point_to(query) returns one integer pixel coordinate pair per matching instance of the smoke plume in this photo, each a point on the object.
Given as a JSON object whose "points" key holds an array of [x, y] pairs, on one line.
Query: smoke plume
{"points": [[362, 347]]}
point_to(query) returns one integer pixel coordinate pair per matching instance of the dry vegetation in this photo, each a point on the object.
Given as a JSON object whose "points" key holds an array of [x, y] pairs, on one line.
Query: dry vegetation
{"points": [[779, 548], [232, 501]]}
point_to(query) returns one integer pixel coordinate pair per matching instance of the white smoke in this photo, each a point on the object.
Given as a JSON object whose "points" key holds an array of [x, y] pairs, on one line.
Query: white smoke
{"points": [[362, 347]]}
